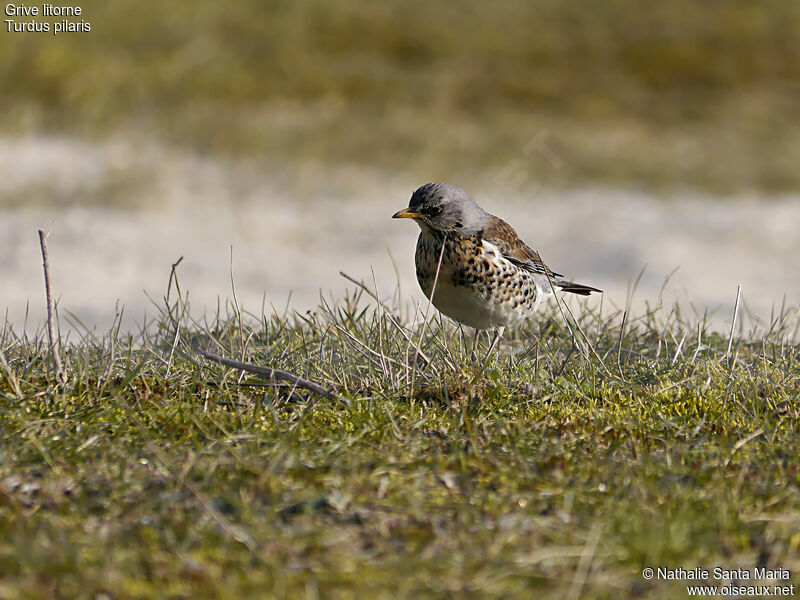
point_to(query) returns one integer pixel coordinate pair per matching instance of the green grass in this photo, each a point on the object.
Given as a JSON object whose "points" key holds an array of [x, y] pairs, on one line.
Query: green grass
{"points": [[674, 94], [560, 470]]}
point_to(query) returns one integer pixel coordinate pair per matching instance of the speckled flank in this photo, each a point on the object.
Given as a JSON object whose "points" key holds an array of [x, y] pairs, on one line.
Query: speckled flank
{"points": [[477, 286]]}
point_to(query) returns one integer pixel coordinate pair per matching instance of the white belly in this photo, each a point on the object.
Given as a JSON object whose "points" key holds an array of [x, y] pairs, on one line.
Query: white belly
{"points": [[472, 309]]}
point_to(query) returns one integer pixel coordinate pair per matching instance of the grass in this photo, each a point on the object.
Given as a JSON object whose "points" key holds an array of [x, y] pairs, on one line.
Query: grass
{"points": [[668, 94], [560, 470]]}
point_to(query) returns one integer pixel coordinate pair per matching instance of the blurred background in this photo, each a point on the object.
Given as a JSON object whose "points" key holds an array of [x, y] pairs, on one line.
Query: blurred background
{"points": [[620, 139]]}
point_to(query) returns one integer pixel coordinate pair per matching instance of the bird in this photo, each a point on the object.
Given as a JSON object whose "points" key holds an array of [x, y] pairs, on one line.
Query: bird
{"points": [[474, 267]]}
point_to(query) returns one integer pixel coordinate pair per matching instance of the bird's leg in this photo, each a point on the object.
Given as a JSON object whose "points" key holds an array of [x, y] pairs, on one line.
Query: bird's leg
{"points": [[474, 353], [461, 336], [497, 335]]}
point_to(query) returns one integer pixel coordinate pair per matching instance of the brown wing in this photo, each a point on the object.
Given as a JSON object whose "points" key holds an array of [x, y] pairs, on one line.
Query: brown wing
{"points": [[502, 235]]}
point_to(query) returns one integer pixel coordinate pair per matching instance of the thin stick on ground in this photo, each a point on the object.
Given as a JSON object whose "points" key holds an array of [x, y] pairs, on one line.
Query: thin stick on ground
{"points": [[58, 368], [275, 375]]}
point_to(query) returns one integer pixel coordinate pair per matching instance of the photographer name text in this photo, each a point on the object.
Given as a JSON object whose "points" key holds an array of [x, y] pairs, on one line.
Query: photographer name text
{"points": [[720, 573]]}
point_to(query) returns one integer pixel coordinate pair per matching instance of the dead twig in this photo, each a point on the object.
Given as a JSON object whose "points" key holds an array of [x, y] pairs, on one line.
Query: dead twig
{"points": [[275, 375], [60, 373]]}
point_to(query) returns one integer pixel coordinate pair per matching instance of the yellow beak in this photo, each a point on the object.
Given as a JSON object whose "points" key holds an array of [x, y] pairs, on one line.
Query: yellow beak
{"points": [[406, 213]]}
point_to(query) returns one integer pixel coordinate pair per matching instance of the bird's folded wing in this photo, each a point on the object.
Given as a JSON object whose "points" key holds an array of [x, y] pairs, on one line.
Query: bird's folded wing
{"points": [[502, 235]]}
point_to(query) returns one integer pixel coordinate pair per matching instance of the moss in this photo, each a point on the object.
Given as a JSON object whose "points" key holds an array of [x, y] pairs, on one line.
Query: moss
{"points": [[168, 479]]}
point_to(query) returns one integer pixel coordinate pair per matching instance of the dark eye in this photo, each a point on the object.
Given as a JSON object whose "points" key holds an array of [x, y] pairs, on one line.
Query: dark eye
{"points": [[434, 210]]}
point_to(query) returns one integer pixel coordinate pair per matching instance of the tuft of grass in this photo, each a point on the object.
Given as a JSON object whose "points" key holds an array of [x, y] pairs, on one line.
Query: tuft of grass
{"points": [[585, 451]]}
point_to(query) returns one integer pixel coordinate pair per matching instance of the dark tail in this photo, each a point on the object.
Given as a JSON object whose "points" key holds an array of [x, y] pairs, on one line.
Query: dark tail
{"points": [[576, 288]]}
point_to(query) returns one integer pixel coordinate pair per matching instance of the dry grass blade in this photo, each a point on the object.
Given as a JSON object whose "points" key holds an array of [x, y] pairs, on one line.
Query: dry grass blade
{"points": [[112, 339], [10, 374], [733, 320], [561, 306], [427, 313], [389, 314]]}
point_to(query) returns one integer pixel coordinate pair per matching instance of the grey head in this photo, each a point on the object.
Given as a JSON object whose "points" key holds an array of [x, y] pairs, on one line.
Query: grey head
{"points": [[444, 207]]}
